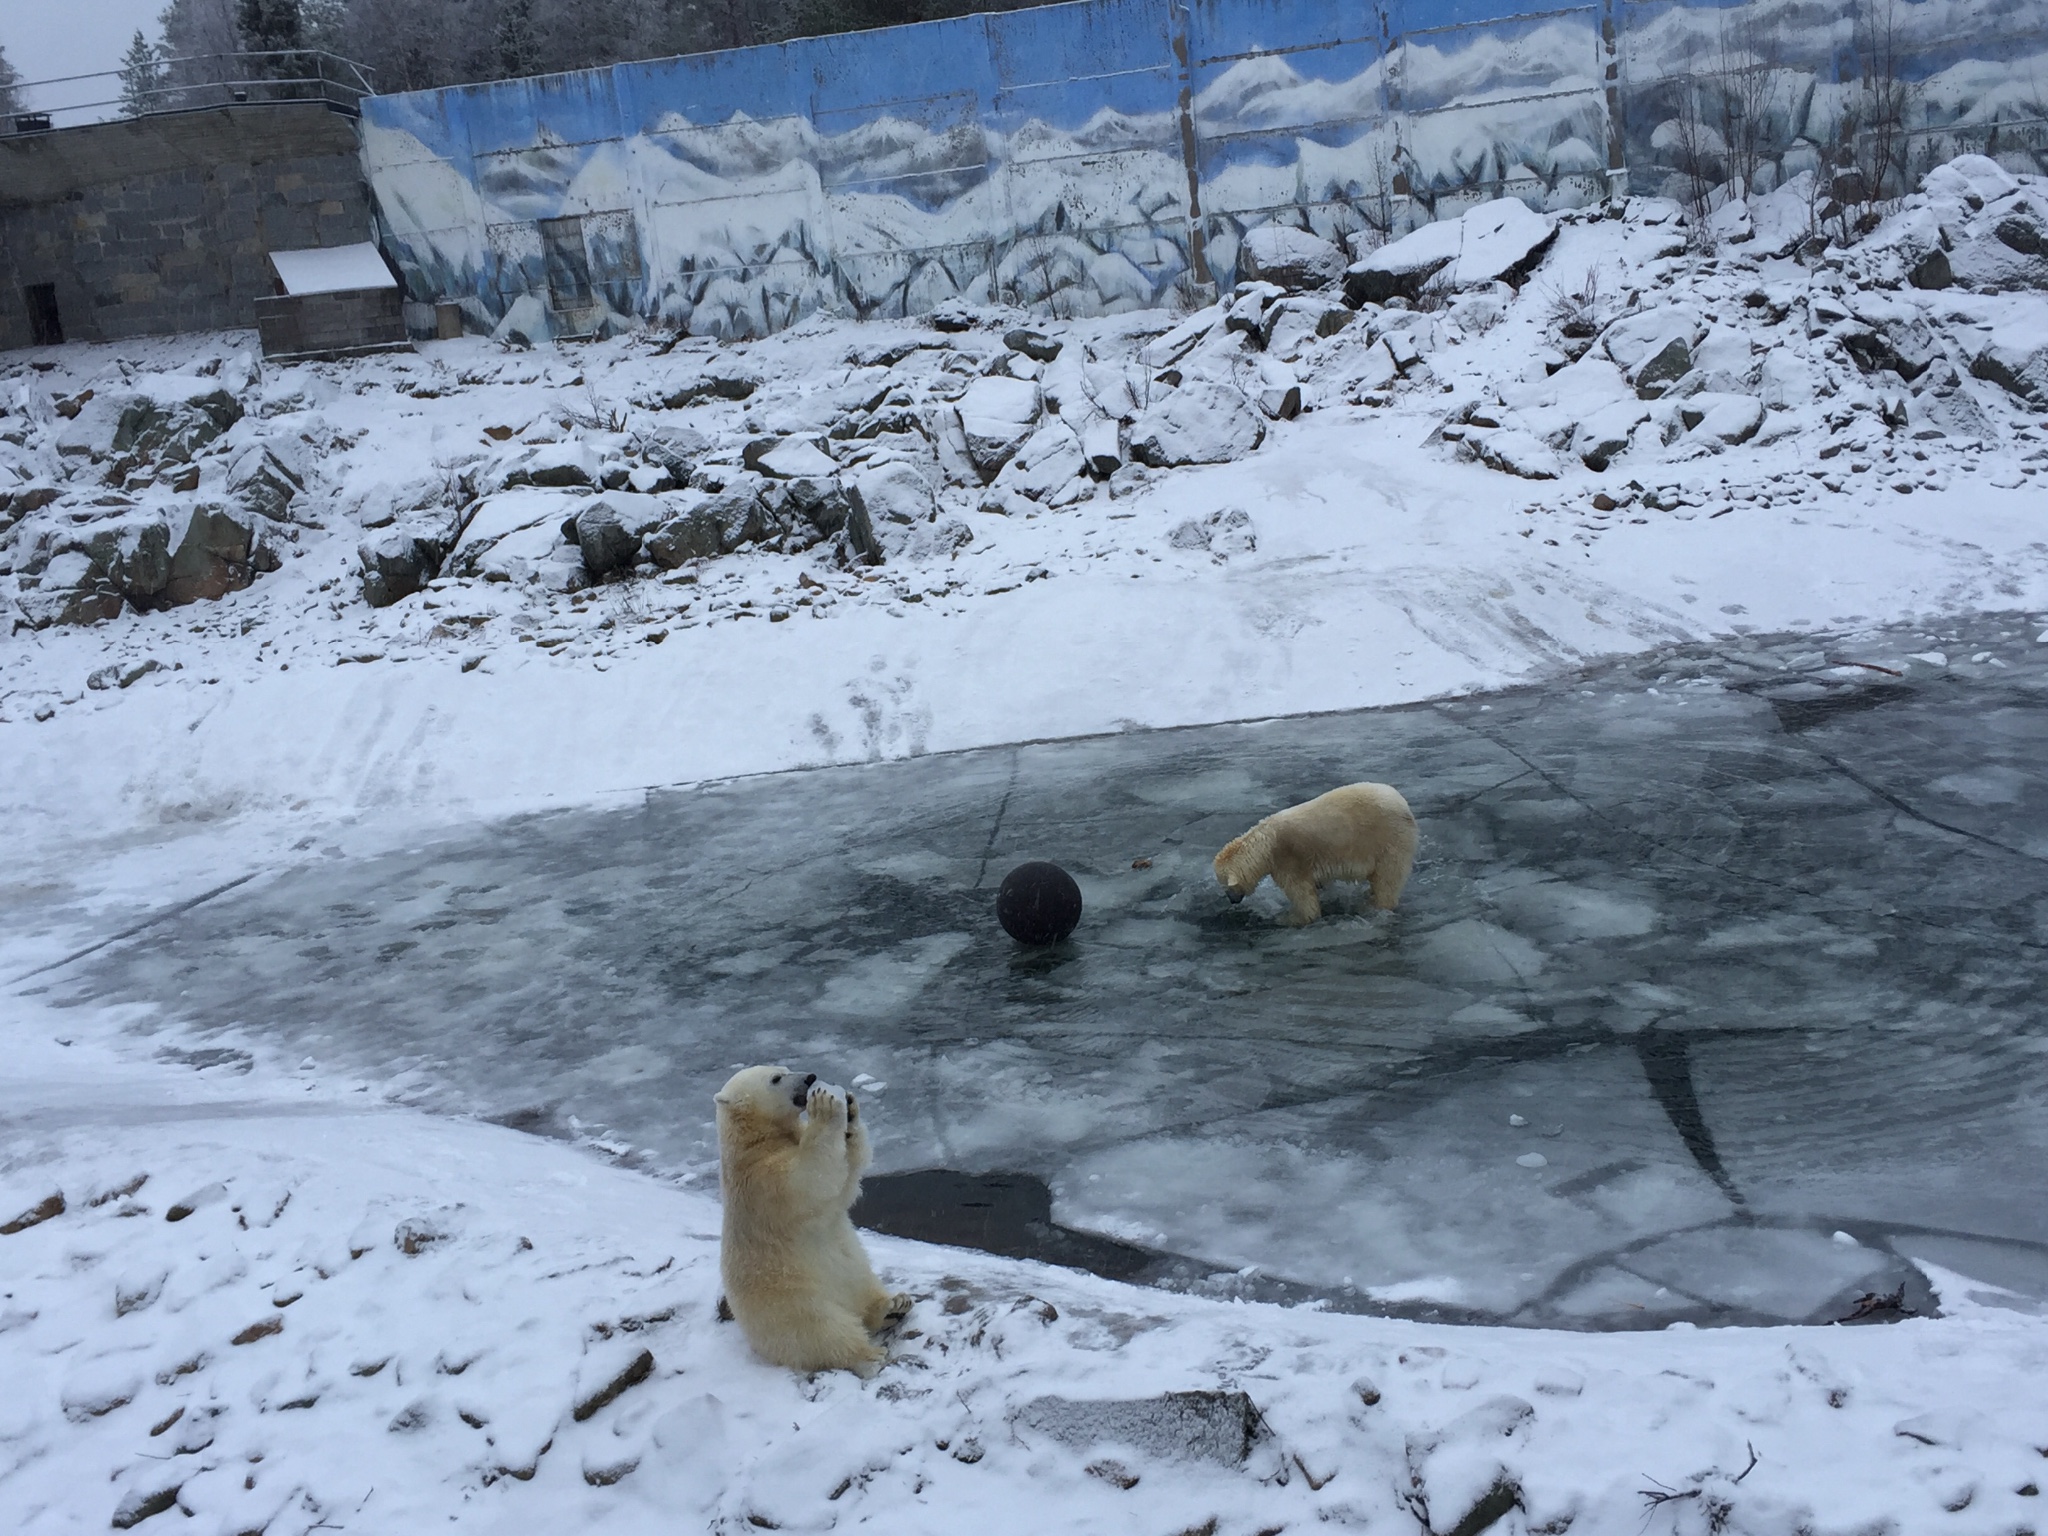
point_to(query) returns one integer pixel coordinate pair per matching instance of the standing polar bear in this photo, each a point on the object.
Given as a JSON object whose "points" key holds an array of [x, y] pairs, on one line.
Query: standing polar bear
{"points": [[1359, 832], [790, 1155]]}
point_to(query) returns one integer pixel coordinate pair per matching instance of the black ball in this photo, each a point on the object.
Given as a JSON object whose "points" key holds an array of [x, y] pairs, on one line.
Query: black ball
{"points": [[1038, 903]]}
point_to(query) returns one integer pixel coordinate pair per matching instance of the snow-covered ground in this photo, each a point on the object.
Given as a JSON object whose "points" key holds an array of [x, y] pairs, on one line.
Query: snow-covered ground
{"points": [[1788, 444]]}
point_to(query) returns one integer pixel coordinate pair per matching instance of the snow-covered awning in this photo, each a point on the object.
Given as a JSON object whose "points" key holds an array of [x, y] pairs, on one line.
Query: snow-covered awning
{"points": [[336, 269]]}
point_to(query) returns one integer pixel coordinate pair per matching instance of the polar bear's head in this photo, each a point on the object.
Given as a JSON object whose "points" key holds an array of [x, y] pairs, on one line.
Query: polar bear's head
{"points": [[1240, 867], [774, 1094]]}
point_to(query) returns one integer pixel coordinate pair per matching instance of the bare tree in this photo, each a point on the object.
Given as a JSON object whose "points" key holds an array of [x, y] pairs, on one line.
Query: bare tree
{"points": [[1884, 97], [1697, 148], [1749, 49]]}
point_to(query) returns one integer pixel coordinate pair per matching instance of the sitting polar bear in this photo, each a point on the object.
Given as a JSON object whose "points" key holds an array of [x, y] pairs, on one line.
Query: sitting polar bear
{"points": [[1359, 832], [790, 1155]]}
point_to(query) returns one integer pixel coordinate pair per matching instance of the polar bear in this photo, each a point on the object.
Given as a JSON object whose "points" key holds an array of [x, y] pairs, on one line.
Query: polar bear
{"points": [[790, 1155], [1359, 832]]}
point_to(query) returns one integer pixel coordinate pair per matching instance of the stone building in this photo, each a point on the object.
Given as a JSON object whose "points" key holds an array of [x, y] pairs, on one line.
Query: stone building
{"points": [[165, 223]]}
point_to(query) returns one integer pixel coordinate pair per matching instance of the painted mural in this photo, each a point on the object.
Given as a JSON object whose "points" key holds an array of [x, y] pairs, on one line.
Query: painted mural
{"points": [[1089, 158]]}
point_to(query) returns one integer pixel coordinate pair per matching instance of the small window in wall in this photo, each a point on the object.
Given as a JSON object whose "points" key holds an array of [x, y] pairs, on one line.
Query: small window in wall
{"points": [[45, 328], [567, 265]]}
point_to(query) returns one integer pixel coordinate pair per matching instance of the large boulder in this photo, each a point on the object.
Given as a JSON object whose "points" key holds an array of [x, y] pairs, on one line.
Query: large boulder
{"points": [[396, 563], [679, 450], [173, 416], [69, 590], [714, 382], [1653, 347], [266, 477], [2016, 359], [996, 416], [689, 532], [608, 529], [222, 550], [789, 458], [891, 493], [1203, 422], [560, 464], [1501, 241], [1289, 258]]}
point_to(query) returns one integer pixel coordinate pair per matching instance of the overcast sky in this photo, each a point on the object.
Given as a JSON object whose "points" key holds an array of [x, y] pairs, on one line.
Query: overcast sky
{"points": [[48, 38]]}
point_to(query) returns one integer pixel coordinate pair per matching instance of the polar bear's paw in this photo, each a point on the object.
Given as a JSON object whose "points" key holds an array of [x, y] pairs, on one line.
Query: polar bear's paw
{"points": [[826, 1107], [900, 1303]]}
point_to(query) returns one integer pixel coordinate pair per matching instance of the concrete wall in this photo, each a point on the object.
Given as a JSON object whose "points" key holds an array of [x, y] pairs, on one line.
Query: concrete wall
{"points": [[164, 223], [1093, 157]]}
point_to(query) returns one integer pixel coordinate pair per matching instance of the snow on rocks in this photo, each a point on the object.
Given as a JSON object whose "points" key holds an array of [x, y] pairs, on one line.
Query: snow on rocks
{"points": [[1496, 241], [996, 414], [1201, 422], [1288, 258]]}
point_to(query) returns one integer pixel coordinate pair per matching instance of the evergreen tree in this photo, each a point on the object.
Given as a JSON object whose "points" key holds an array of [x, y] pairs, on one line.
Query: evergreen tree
{"points": [[518, 47], [270, 27], [10, 98], [142, 77]]}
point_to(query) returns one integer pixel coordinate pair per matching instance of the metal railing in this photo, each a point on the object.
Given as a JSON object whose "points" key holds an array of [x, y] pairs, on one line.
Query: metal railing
{"points": [[185, 85]]}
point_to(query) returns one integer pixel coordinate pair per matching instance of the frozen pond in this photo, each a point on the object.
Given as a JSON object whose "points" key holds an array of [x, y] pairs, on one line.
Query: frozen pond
{"points": [[1718, 988]]}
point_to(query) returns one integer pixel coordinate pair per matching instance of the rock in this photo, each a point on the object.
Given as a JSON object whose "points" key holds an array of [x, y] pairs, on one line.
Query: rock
{"points": [[1781, 221], [1458, 1485], [1201, 423], [1220, 1427], [69, 590], [401, 560], [1730, 223], [677, 449], [1164, 351], [173, 416], [1653, 348], [713, 384], [2016, 360], [608, 543], [1036, 345], [790, 458], [262, 480], [140, 1506], [1606, 432], [604, 1377], [1048, 462], [892, 493], [1100, 452], [221, 551], [559, 464], [822, 502], [1291, 259], [1515, 452], [1290, 324], [1223, 533], [48, 1208], [996, 415], [1279, 391], [1728, 418], [693, 535], [1248, 306], [1500, 241], [743, 517]]}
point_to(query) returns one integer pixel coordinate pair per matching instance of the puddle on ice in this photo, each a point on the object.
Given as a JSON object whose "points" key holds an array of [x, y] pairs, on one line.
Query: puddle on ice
{"points": [[1749, 960]]}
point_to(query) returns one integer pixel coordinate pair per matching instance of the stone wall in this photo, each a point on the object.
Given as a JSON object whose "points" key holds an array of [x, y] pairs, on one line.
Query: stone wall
{"points": [[164, 223]]}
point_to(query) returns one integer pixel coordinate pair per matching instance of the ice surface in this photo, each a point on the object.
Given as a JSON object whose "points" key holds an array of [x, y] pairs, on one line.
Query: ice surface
{"points": [[1750, 944]]}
